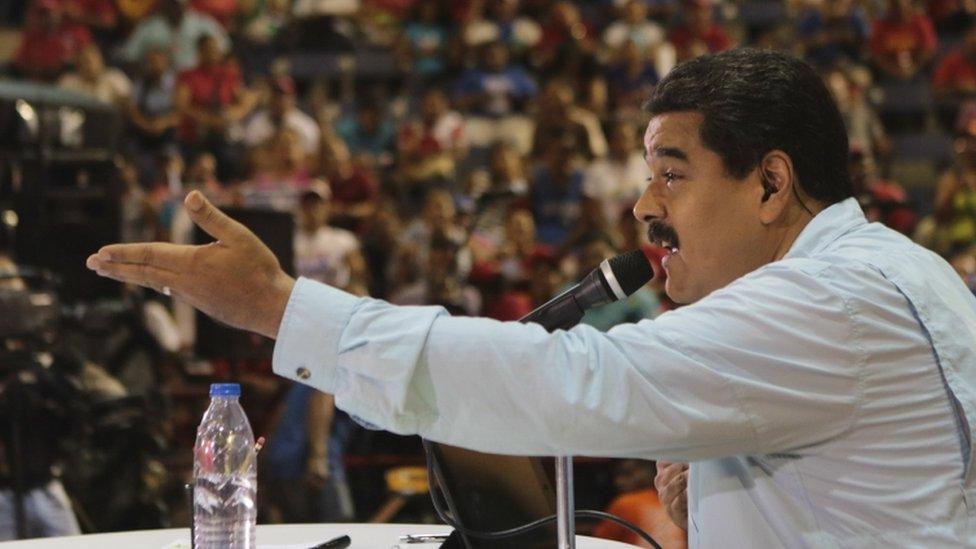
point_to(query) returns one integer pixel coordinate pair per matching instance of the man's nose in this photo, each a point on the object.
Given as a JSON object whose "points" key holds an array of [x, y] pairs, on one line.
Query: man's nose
{"points": [[648, 206]]}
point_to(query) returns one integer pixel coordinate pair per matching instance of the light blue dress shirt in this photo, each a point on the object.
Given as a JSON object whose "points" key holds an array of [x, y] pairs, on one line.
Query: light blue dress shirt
{"points": [[826, 399]]}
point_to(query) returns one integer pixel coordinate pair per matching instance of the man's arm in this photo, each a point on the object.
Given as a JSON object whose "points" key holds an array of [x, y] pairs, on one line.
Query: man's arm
{"points": [[768, 364]]}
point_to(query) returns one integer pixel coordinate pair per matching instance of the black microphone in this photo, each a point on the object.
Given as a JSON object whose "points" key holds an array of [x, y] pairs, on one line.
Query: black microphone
{"points": [[615, 278]]}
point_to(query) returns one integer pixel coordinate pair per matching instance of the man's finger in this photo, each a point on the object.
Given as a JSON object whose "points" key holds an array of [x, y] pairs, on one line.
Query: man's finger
{"points": [[143, 275], [172, 257], [209, 218]]}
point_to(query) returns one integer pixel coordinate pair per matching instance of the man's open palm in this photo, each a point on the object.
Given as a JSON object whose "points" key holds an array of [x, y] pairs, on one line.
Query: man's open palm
{"points": [[236, 280]]}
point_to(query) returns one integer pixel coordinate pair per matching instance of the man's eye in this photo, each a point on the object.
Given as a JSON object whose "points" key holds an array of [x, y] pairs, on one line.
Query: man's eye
{"points": [[670, 177]]}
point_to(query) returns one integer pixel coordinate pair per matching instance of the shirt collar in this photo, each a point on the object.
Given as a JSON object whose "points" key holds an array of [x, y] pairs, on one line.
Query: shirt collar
{"points": [[826, 227]]}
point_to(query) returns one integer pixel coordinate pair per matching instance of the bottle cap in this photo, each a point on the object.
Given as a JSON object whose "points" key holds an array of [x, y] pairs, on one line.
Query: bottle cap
{"points": [[225, 389]]}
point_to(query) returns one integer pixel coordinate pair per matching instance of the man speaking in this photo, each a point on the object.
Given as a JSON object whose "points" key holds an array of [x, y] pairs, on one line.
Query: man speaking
{"points": [[821, 381]]}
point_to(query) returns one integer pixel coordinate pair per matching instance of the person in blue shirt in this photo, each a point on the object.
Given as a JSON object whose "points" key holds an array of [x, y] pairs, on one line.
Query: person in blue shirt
{"points": [[498, 88], [832, 32], [820, 379], [556, 193]]}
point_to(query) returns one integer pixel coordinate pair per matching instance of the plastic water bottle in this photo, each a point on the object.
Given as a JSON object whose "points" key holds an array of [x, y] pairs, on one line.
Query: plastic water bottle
{"points": [[224, 474]]}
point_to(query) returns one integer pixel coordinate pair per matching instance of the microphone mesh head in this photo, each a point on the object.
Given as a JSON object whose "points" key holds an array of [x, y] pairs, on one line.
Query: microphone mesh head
{"points": [[632, 270]]}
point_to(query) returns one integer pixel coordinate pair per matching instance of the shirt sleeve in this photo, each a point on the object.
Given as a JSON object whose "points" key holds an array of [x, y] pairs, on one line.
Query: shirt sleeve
{"points": [[768, 364]]}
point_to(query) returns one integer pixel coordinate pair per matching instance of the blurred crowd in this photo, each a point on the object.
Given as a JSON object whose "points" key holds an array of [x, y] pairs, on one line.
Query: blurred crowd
{"points": [[484, 154]]}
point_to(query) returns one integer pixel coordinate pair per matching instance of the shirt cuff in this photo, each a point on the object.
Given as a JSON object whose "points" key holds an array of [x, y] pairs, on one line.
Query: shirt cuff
{"points": [[307, 347]]}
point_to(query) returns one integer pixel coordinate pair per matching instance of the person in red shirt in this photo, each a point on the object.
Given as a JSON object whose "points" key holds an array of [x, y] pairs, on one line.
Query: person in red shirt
{"points": [[638, 503], [567, 40], [955, 75], [50, 42], [102, 16], [211, 97], [700, 33], [903, 41]]}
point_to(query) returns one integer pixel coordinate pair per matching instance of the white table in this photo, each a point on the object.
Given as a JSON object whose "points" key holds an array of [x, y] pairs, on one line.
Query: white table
{"points": [[364, 536]]}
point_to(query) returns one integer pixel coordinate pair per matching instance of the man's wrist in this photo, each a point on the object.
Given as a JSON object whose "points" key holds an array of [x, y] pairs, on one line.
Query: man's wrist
{"points": [[280, 293]]}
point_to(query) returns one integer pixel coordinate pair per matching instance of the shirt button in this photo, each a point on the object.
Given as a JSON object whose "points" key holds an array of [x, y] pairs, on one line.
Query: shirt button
{"points": [[303, 373]]}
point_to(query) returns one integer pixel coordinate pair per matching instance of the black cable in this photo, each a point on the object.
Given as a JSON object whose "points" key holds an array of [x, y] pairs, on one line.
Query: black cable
{"points": [[525, 528]]}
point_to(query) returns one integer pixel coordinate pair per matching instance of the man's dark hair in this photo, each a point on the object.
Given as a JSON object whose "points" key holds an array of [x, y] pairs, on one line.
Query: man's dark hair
{"points": [[756, 101]]}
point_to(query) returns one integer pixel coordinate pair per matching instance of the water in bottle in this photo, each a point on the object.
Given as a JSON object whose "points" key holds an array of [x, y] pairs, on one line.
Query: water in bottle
{"points": [[224, 474]]}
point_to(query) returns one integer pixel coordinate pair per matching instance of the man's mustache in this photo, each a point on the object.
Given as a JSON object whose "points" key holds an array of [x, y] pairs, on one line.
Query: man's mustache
{"points": [[659, 232]]}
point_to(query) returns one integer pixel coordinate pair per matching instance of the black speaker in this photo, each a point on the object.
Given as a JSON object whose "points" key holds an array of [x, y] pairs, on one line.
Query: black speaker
{"points": [[57, 170], [68, 210]]}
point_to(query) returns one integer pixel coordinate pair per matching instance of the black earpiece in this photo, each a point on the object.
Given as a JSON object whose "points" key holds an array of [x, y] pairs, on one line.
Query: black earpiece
{"points": [[768, 188]]}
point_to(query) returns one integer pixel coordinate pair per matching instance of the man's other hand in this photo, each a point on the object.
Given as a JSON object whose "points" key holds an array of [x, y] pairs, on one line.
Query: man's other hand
{"points": [[671, 484], [236, 280]]}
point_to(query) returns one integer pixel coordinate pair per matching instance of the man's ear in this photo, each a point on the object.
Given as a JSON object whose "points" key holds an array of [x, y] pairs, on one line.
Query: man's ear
{"points": [[777, 178]]}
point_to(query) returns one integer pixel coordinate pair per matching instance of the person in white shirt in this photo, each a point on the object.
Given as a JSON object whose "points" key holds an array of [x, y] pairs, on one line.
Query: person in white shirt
{"points": [[322, 252], [106, 84], [176, 26], [617, 181], [635, 27], [282, 112], [820, 380]]}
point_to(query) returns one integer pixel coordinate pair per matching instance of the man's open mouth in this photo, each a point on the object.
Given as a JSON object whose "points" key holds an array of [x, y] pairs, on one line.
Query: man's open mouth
{"points": [[663, 235]]}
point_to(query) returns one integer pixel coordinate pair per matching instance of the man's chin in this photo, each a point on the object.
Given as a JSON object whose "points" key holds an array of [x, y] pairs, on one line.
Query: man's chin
{"points": [[680, 294]]}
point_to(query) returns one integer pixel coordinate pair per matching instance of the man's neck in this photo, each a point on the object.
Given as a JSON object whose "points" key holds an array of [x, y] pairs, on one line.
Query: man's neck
{"points": [[801, 218]]}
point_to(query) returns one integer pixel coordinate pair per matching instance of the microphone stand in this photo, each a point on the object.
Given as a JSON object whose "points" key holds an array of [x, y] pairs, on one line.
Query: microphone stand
{"points": [[565, 505]]}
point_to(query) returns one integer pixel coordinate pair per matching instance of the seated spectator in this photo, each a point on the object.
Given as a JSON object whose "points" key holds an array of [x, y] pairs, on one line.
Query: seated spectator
{"points": [[556, 193], [637, 501], [50, 42], [865, 132], [954, 77], [108, 85], [430, 146], [421, 49], [618, 180], [442, 283], [699, 33], [354, 186], [369, 133], [902, 42], [630, 81], [151, 110], [178, 27], [324, 252], [439, 217], [647, 36], [282, 112], [283, 178], [212, 100], [568, 41], [504, 23], [883, 201], [832, 32], [953, 221], [497, 89], [560, 116], [497, 95], [508, 189]]}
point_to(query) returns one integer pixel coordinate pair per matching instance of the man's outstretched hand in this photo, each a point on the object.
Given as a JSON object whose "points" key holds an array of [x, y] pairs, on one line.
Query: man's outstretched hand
{"points": [[236, 280]]}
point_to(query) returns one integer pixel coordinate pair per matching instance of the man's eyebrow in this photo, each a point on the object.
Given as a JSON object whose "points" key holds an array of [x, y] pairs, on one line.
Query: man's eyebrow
{"points": [[672, 152]]}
